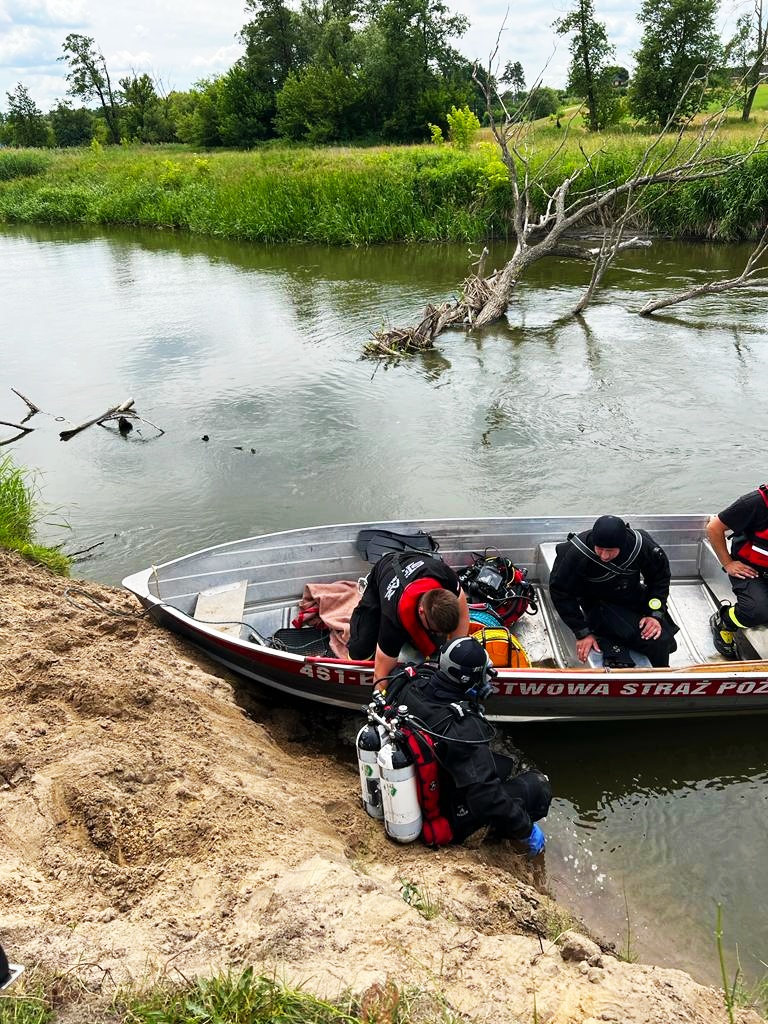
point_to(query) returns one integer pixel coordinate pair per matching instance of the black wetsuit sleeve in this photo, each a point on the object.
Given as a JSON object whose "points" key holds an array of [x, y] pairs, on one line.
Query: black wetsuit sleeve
{"points": [[565, 588], [654, 566]]}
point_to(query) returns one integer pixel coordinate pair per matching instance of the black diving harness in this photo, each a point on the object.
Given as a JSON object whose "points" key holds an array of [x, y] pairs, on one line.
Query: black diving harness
{"points": [[610, 569]]}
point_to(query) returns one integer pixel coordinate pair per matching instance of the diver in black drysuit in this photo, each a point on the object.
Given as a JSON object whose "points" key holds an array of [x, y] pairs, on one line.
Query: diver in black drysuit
{"points": [[610, 585], [476, 784]]}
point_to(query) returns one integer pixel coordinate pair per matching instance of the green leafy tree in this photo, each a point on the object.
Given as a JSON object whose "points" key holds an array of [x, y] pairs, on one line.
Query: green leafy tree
{"points": [[679, 47], [88, 78], [70, 127], [25, 123], [589, 74], [746, 54], [276, 44], [245, 108], [144, 113], [323, 103], [463, 126], [195, 114], [411, 71], [542, 101], [514, 77]]}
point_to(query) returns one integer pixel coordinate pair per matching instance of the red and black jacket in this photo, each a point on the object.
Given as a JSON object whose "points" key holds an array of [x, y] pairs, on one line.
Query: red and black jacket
{"points": [[752, 546]]}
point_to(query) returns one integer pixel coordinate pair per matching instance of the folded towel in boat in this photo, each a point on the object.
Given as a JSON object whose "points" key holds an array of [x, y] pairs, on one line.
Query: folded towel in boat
{"points": [[331, 605]]}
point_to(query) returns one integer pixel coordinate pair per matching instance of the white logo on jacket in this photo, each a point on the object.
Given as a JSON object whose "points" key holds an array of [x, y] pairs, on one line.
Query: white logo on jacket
{"points": [[411, 568]]}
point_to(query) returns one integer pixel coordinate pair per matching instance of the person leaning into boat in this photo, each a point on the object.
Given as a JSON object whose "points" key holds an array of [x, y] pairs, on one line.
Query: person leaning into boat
{"points": [[409, 598], [612, 582], [746, 562], [477, 787]]}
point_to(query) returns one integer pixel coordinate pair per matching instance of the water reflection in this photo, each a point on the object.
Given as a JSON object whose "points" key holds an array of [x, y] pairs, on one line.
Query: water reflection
{"points": [[662, 821]]}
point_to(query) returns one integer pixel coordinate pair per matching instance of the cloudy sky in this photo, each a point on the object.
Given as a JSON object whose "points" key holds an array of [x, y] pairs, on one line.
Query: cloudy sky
{"points": [[181, 41]]}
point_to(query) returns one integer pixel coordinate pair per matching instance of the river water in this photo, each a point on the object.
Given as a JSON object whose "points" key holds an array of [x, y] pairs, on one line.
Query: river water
{"points": [[258, 348]]}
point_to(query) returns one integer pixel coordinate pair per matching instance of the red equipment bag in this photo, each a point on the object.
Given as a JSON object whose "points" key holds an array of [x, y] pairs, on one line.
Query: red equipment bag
{"points": [[435, 827]]}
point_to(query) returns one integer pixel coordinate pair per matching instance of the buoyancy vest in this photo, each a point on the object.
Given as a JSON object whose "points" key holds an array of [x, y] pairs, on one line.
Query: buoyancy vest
{"points": [[408, 613], [753, 547]]}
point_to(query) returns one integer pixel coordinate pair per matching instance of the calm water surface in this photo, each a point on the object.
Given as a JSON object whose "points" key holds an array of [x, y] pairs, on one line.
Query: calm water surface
{"points": [[258, 347]]}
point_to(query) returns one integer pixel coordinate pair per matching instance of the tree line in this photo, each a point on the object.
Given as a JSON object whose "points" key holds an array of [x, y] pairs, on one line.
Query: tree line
{"points": [[322, 71]]}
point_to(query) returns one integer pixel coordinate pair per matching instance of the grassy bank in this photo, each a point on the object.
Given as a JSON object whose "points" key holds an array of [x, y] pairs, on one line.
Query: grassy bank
{"points": [[351, 196], [247, 998], [238, 998], [18, 515]]}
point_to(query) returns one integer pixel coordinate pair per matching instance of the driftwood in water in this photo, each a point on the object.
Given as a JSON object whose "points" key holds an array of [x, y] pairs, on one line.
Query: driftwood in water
{"points": [[32, 407], [16, 426], [124, 424], [115, 410]]}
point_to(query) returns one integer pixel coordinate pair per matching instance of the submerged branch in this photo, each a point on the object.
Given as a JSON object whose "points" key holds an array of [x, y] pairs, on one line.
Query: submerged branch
{"points": [[16, 426], [32, 407], [123, 407], [746, 278]]}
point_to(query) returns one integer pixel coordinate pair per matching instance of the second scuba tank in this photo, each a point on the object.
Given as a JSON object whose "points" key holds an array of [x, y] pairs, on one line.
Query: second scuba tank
{"points": [[368, 744], [399, 791]]}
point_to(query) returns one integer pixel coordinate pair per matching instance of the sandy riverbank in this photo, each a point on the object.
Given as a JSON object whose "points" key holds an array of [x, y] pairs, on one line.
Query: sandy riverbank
{"points": [[157, 820]]}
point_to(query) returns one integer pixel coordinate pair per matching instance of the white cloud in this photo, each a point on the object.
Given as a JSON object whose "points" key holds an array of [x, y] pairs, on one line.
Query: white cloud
{"points": [[221, 60], [26, 46], [49, 13]]}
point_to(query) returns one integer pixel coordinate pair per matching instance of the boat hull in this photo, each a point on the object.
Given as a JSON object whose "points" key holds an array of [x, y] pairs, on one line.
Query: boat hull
{"points": [[535, 694]]}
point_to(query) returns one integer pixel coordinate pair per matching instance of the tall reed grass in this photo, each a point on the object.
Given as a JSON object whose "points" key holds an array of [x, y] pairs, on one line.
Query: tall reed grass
{"points": [[16, 163], [19, 514], [342, 196]]}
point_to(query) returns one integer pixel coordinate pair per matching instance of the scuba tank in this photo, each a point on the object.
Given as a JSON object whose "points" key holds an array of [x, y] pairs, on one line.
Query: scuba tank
{"points": [[368, 744], [399, 790]]}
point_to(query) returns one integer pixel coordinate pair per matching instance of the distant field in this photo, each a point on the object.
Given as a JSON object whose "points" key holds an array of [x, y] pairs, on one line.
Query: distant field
{"points": [[346, 195]]}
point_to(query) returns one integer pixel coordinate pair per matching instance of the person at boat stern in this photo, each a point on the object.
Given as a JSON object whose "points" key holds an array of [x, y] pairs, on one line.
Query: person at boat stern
{"points": [[745, 560], [610, 585], [479, 787], [408, 598]]}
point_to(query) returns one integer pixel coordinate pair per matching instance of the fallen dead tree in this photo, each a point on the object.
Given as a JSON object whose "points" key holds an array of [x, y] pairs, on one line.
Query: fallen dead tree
{"points": [[684, 151]]}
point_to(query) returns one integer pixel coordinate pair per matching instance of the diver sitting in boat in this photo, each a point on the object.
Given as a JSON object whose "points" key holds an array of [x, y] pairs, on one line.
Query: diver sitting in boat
{"points": [[408, 598], [610, 586]]}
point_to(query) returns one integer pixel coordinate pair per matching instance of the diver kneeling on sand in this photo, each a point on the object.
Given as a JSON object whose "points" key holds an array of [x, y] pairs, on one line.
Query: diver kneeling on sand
{"points": [[477, 785]]}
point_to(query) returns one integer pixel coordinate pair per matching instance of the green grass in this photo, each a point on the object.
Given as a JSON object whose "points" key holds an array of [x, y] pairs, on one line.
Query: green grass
{"points": [[29, 1006], [342, 196], [247, 998], [19, 513], [238, 997], [356, 195], [21, 163]]}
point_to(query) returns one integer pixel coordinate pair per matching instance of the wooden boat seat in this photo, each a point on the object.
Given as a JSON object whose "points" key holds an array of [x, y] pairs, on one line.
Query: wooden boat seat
{"points": [[223, 607]]}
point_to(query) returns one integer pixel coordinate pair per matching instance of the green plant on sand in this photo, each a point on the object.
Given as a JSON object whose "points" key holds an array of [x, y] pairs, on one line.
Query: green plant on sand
{"points": [[19, 513]]}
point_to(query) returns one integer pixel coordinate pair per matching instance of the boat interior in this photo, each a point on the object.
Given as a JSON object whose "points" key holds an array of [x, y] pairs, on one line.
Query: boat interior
{"points": [[251, 589]]}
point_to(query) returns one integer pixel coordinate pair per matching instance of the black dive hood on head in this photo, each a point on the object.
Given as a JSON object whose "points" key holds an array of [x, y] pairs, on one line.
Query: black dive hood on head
{"points": [[463, 670], [610, 532]]}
